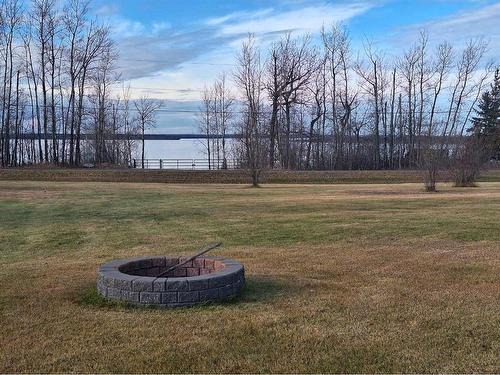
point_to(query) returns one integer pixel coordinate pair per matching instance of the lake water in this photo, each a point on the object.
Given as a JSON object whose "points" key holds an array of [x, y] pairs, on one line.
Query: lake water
{"points": [[182, 149]]}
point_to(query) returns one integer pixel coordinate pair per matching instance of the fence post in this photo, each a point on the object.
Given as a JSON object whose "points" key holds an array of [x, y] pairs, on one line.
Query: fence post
{"points": [[161, 163], [135, 164]]}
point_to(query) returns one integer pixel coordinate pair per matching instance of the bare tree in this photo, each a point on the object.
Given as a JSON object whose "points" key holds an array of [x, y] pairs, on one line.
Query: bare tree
{"points": [[299, 66], [466, 66], [248, 77], [103, 109], [275, 86], [222, 104], [129, 123], [408, 66], [11, 22], [342, 95], [146, 116], [371, 75], [442, 66], [423, 76], [42, 16], [97, 43], [205, 121], [317, 108]]}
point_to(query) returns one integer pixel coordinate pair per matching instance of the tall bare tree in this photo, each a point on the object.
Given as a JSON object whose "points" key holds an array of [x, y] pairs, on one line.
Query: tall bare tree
{"points": [[146, 118], [248, 78], [205, 117], [371, 74]]}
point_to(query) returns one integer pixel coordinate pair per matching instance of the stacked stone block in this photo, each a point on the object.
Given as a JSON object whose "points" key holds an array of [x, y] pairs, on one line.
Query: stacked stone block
{"points": [[138, 280]]}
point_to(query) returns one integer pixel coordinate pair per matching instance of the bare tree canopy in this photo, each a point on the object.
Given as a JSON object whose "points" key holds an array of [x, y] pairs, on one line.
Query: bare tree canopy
{"points": [[146, 115], [318, 106], [59, 67]]}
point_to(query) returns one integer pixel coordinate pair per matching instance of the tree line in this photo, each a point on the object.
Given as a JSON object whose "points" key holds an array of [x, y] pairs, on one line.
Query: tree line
{"points": [[58, 64], [300, 104]]}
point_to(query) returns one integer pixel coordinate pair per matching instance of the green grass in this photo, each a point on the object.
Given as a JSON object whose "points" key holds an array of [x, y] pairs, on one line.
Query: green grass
{"points": [[340, 278]]}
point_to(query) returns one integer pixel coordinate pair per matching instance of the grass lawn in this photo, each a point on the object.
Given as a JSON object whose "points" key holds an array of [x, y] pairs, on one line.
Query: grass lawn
{"points": [[340, 278]]}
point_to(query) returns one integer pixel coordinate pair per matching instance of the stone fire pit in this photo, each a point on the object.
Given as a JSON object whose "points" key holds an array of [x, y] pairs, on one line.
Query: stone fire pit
{"points": [[203, 279]]}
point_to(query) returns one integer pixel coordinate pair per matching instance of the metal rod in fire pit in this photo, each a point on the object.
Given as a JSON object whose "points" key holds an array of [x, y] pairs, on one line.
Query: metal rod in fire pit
{"points": [[204, 251]]}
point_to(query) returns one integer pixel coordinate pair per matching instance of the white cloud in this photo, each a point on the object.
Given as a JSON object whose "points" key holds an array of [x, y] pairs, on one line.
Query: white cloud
{"points": [[124, 28], [473, 19], [238, 16], [306, 19], [160, 26], [205, 51], [108, 10], [460, 27]]}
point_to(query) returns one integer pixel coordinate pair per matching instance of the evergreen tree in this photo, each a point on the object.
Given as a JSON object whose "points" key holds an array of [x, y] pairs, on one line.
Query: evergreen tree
{"points": [[487, 121]]}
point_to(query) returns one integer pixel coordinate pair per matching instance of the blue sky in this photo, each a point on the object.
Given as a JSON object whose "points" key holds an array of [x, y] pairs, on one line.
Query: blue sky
{"points": [[170, 49], [178, 46]]}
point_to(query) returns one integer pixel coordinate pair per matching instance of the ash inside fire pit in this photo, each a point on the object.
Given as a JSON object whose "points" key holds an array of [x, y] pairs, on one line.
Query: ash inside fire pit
{"points": [[200, 280]]}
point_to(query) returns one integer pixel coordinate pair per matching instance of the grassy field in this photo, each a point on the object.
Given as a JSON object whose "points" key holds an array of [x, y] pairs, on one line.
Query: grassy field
{"points": [[340, 278]]}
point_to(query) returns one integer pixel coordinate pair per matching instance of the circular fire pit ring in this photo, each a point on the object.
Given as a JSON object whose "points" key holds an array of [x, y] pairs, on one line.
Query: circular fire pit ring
{"points": [[203, 279]]}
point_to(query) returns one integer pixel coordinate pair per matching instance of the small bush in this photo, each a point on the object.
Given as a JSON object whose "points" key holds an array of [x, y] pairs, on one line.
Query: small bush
{"points": [[469, 159]]}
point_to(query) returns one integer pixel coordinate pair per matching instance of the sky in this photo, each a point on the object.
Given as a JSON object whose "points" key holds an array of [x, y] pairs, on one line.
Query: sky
{"points": [[170, 49]]}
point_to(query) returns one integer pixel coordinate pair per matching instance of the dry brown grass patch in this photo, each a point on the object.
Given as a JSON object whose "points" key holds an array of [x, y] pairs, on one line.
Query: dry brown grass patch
{"points": [[414, 302]]}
